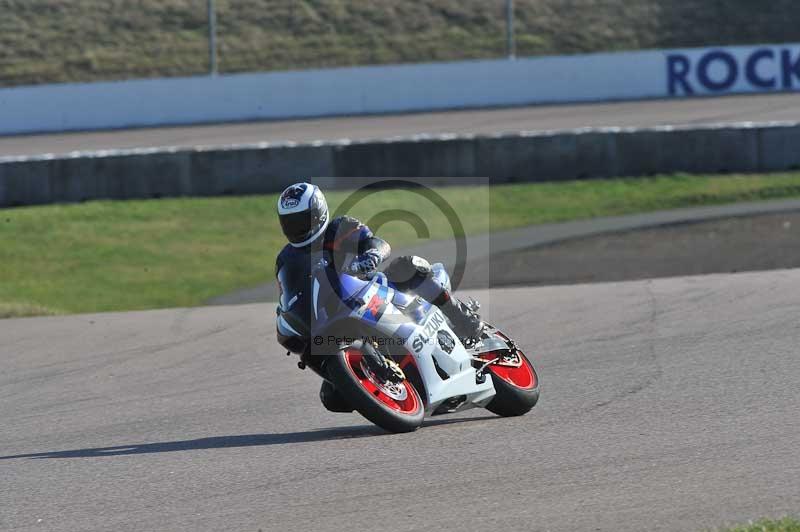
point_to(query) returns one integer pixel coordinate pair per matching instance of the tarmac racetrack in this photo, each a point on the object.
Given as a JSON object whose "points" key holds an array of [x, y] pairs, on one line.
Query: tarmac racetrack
{"points": [[667, 405], [719, 110]]}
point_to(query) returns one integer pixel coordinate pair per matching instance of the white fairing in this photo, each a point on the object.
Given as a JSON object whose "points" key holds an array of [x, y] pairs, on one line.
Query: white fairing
{"points": [[457, 364], [424, 345]]}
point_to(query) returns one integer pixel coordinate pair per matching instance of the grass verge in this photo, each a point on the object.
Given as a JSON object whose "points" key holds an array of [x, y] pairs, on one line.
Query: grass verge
{"points": [[786, 524], [130, 255], [24, 310]]}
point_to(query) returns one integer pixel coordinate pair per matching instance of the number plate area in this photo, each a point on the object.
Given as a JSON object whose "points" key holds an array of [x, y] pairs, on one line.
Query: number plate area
{"points": [[434, 339]]}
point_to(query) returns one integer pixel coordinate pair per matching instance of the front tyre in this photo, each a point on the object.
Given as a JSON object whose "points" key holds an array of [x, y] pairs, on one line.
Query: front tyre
{"points": [[515, 381], [396, 407]]}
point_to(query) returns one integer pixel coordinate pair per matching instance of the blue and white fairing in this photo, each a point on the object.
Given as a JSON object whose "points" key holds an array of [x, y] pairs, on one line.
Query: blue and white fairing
{"points": [[420, 326]]}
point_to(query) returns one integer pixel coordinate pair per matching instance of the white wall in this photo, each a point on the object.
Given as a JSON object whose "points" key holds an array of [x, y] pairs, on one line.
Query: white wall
{"points": [[398, 88]]}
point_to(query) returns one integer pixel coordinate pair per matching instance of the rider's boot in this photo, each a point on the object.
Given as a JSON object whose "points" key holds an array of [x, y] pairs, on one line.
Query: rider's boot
{"points": [[332, 399], [466, 324]]}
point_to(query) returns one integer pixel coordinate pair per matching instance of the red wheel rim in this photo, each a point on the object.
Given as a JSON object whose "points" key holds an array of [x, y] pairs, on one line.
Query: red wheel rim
{"points": [[386, 394], [518, 373]]}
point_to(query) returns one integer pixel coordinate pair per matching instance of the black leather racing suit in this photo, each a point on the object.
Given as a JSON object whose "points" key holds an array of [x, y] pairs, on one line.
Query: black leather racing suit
{"points": [[347, 242]]}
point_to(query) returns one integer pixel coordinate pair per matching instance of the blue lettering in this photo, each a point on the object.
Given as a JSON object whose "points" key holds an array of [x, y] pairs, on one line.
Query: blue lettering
{"points": [[751, 69], [719, 70], [790, 68], [730, 63], [678, 67]]}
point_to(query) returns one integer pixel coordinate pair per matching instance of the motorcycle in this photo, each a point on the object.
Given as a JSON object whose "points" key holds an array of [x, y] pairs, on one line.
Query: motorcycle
{"points": [[394, 357]]}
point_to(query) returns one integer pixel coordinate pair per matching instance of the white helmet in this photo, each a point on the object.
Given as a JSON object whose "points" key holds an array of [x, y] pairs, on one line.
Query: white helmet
{"points": [[303, 213]]}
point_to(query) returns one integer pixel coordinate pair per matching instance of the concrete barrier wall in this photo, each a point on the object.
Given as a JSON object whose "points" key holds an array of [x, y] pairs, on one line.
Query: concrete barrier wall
{"points": [[401, 88], [523, 157]]}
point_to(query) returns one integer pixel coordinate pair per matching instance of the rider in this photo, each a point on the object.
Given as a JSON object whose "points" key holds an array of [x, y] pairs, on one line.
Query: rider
{"points": [[306, 223]]}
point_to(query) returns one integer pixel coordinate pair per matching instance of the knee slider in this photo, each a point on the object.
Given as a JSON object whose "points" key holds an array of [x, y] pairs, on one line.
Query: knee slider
{"points": [[421, 265]]}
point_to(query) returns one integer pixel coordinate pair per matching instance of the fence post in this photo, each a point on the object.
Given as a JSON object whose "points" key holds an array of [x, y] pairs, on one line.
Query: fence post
{"points": [[511, 45], [212, 38]]}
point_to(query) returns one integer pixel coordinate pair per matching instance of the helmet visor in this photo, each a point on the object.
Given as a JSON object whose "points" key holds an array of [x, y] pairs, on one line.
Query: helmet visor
{"points": [[300, 226]]}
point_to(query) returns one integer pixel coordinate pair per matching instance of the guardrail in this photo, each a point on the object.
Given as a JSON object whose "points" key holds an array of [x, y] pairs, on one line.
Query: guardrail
{"points": [[401, 88], [520, 157]]}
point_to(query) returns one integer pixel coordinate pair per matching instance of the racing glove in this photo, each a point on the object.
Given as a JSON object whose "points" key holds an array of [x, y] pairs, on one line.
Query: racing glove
{"points": [[365, 263]]}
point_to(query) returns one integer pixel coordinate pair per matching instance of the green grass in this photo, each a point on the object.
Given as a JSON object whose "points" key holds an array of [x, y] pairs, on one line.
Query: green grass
{"points": [[787, 524], [123, 39], [24, 310], [107, 255]]}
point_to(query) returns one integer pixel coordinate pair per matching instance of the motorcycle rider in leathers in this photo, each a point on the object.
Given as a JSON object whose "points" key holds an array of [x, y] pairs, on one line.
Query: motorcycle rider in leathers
{"points": [[305, 221]]}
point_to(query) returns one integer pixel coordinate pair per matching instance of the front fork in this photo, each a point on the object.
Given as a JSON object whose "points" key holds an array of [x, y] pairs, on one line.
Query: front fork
{"points": [[381, 365]]}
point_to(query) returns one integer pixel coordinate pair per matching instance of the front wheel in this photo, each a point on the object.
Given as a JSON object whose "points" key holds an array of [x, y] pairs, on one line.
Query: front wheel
{"points": [[515, 381], [396, 407]]}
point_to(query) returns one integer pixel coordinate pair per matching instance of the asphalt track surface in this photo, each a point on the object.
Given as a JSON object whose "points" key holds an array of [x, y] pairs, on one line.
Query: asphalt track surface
{"points": [[667, 405], [730, 109], [753, 243]]}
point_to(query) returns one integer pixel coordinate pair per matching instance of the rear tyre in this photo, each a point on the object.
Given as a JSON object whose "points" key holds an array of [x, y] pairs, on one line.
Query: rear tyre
{"points": [[396, 407], [517, 386]]}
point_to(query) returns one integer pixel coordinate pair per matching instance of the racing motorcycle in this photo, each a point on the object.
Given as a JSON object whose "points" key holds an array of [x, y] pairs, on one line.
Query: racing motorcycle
{"points": [[394, 357]]}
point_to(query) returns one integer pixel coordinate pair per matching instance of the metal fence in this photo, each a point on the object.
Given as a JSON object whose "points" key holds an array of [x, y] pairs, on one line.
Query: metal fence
{"points": [[84, 40]]}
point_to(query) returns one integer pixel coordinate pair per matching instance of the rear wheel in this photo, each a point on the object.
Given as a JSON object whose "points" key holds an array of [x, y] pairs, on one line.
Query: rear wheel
{"points": [[515, 381], [396, 407]]}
